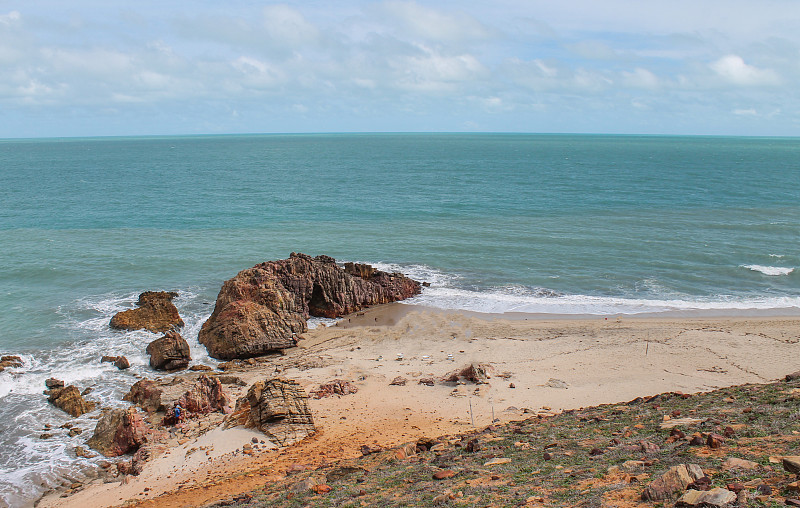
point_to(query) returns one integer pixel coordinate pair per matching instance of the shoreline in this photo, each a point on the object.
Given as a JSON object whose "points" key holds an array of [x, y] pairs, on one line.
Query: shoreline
{"points": [[537, 366]]}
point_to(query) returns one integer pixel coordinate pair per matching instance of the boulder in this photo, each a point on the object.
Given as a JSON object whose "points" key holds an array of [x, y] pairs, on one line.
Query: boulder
{"points": [[70, 400], [672, 483], [170, 352], [10, 361], [279, 408], [714, 498], [52, 383], [146, 394], [154, 312], [474, 373], [335, 387], [264, 308], [120, 431], [119, 362], [205, 396]]}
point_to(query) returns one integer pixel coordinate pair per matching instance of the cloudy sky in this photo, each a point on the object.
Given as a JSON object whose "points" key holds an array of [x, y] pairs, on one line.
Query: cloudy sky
{"points": [[100, 67]]}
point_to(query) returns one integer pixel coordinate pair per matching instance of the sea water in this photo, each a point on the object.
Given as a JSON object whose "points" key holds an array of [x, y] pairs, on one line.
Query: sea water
{"points": [[553, 224]]}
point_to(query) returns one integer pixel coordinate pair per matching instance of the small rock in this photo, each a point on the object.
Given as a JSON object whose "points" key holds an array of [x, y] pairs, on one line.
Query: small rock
{"points": [[53, 383], [674, 481], [444, 474], [370, 449], [595, 452], [427, 381], [792, 376], [511, 385], [497, 461], [322, 489], [718, 497], [305, 485], [556, 383], [648, 447], [200, 368], [791, 464], [697, 440], [734, 463], [398, 381], [547, 456], [715, 441]]}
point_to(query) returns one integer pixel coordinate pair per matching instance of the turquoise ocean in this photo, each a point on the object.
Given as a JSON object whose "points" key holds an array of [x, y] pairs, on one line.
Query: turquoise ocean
{"points": [[544, 224]]}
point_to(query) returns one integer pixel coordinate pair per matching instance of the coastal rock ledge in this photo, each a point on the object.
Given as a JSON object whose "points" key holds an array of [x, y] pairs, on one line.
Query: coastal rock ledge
{"points": [[154, 312], [262, 309]]}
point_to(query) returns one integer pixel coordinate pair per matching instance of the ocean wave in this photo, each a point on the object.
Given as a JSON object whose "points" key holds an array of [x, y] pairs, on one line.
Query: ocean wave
{"points": [[770, 270], [499, 302]]}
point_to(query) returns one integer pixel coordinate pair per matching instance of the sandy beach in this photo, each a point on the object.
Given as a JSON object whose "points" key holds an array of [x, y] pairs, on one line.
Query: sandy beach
{"points": [[534, 366]]}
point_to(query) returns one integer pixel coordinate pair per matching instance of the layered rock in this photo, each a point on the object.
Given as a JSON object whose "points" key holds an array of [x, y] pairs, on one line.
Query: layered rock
{"points": [[69, 399], [119, 362], [170, 352], [262, 309], [12, 361], [279, 408], [205, 396], [120, 431], [154, 312], [146, 394]]}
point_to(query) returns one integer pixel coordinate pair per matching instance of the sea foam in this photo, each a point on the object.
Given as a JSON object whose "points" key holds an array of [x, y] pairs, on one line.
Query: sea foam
{"points": [[770, 270]]}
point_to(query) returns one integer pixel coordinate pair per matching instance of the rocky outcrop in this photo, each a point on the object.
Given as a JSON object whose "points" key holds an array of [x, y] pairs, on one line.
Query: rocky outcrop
{"points": [[673, 483], [10, 361], [120, 431], [146, 394], [279, 408], [119, 362], [154, 312], [170, 352], [335, 387], [205, 396], [69, 399], [262, 309]]}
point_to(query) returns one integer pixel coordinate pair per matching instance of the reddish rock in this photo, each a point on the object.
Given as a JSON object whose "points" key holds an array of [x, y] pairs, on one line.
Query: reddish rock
{"points": [[10, 361], [119, 362], [715, 441], [335, 387], [264, 308], [119, 432], [474, 373], [398, 381], [70, 400], [443, 474], [155, 312], [170, 352], [370, 449], [672, 483], [146, 394], [279, 408], [205, 396]]}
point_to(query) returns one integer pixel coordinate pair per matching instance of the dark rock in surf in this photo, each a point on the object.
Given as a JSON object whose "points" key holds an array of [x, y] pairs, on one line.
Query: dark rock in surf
{"points": [[154, 312], [119, 362], [170, 352], [70, 400], [12, 361], [264, 308]]}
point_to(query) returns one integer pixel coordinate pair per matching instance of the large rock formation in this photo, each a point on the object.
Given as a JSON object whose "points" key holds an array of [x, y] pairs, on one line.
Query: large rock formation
{"points": [[263, 308], [69, 399], [10, 361], [170, 352], [155, 312], [279, 408], [120, 431], [146, 394], [205, 396]]}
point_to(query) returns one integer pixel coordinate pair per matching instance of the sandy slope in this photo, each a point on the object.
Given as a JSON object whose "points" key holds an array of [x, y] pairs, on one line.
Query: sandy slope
{"points": [[598, 360]]}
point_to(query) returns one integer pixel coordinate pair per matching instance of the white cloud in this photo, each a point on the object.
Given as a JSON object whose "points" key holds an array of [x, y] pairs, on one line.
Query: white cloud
{"points": [[733, 69], [745, 112], [288, 26], [10, 18], [640, 78], [436, 25]]}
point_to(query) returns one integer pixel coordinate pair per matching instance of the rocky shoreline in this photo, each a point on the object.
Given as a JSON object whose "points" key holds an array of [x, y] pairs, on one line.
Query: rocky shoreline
{"points": [[261, 311]]}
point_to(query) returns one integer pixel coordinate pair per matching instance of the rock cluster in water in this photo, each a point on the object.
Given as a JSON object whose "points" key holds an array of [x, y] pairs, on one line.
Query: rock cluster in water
{"points": [[264, 308], [154, 312]]}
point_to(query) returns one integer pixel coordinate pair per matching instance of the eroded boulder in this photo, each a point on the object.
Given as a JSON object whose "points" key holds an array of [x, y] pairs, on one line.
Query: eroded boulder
{"points": [[154, 312], [264, 308], [170, 352], [69, 400], [120, 431], [205, 396], [672, 483], [10, 361], [146, 394], [279, 408]]}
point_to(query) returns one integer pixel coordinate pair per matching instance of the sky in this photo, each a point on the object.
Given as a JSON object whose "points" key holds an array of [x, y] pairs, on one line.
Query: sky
{"points": [[107, 68]]}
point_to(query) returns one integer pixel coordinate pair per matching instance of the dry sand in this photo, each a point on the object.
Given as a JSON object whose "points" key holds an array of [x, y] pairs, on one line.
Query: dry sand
{"points": [[551, 364]]}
